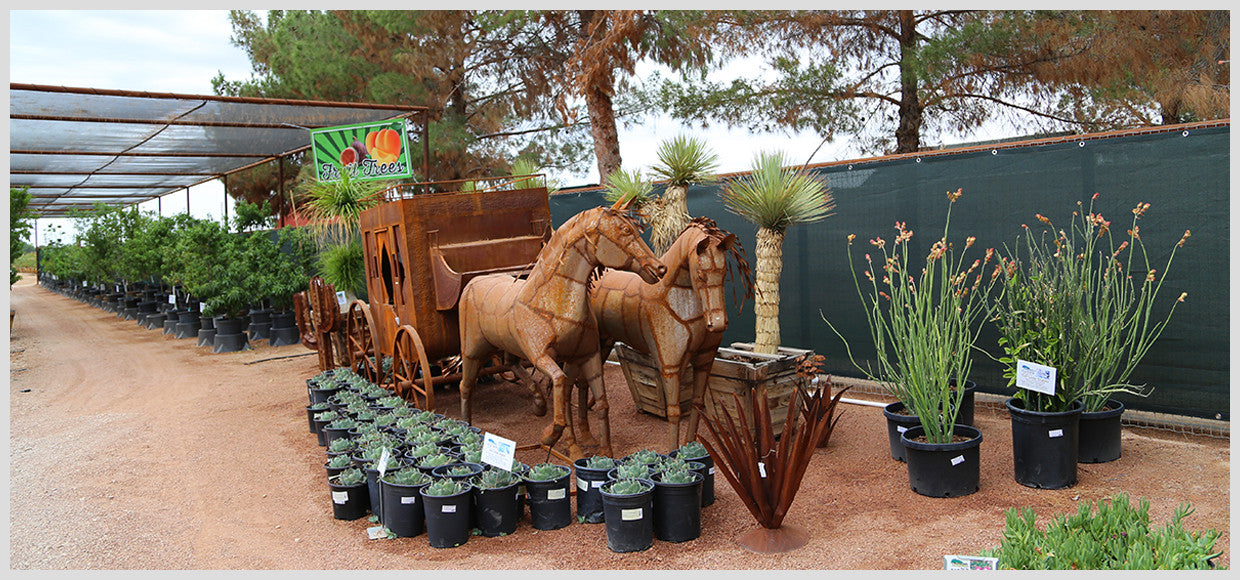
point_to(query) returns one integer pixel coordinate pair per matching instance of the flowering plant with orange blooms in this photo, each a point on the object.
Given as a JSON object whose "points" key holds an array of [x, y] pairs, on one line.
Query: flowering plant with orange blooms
{"points": [[1078, 302], [923, 321]]}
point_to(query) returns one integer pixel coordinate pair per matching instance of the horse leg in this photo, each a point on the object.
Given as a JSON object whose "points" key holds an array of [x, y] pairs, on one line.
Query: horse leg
{"points": [[469, 377], [532, 382], [702, 363], [669, 382], [592, 371], [559, 401]]}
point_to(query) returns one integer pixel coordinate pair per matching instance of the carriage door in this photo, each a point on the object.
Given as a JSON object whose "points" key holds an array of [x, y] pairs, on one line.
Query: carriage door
{"points": [[390, 303]]}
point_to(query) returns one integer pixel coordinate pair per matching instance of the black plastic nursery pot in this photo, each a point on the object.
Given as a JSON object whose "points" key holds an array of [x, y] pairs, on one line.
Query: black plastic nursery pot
{"points": [[283, 329], [677, 509], [206, 336], [171, 320], [448, 518], [897, 424], [260, 324], [629, 519], [320, 394], [1044, 445], [228, 336], [401, 509], [589, 498], [497, 510], [348, 502], [708, 475], [1100, 433], [152, 320], [551, 506], [965, 415], [943, 469], [188, 324]]}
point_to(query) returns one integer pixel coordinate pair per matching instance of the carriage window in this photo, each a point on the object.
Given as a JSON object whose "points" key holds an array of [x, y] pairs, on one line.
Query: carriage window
{"points": [[385, 267]]}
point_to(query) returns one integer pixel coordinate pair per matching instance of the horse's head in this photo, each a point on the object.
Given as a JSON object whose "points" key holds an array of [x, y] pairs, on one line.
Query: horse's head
{"points": [[708, 270], [619, 245]]}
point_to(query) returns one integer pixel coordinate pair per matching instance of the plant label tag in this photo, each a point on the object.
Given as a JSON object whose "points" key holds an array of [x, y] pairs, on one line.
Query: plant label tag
{"points": [[383, 461], [711, 470], [448, 508], [376, 533], [970, 563], [957, 460], [172, 299], [631, 515], [582, 484], [408, 500], [340, 299], [1035, 377], [558, 493], [498, 451], [762, 469], [83, 283], [901, 429], [340, 497], [1054, 433], [597, 483], [202, 306]]}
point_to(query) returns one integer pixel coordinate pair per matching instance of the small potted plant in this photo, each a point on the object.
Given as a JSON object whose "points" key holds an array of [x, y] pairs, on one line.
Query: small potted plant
{"points": [[338, 429], [337, 463], [628, 514], [447, 506], [630, 470], [591, 475], [547, 486], [401, 509], [430, 462], [350, 500], [695, 452], [677, 501], [497, 505]]}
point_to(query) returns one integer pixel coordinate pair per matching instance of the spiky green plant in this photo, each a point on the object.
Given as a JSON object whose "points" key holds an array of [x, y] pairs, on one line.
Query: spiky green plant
{"points": [[435, 460], [692, 450], [342, 423], [350, 477], [407, 476], [683, 160], [459, 470], [342, 445], [546, 472], [600, 462], [678, 475], [444, 487], [634, 470], [424, 450], [774, 197], [523, 166], [627, 185], [645, 456], [626, 486], [338, 461], [495, 478], [326, 416], [335, 207]]}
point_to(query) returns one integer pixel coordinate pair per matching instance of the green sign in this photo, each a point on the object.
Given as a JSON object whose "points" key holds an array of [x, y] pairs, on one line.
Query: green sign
{"points": [[373, 150]]}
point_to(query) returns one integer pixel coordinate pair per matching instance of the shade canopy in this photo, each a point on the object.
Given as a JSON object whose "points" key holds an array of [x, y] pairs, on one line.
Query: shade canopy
{"points": [[73, 147]]}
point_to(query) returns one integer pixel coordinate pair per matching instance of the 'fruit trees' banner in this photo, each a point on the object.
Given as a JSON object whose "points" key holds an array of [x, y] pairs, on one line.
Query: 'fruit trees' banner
{"points": [[373, 150]]}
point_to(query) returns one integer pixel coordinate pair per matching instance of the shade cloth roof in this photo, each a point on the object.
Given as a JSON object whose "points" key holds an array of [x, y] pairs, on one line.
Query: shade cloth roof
{"points": [[74, 147]]}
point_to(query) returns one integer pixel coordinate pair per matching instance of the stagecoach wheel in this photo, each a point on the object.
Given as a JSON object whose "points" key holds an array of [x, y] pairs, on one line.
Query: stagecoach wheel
{"points": [[360, 341], [409, 362]]}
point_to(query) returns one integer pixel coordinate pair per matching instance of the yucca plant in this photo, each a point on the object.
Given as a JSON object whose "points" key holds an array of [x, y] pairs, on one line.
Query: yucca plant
{"points": [[629, 185], [774, 197], [523, 166], [444, 487], [683, 160], [546, 472], [334, 209]]}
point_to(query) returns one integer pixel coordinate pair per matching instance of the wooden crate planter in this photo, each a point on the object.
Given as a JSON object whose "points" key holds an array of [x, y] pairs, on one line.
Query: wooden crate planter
{"points": [[737, 369]]}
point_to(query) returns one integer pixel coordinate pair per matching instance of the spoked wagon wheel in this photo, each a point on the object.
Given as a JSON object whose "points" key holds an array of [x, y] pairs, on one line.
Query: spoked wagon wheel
{"points": [[360, 341], [409, 363]]}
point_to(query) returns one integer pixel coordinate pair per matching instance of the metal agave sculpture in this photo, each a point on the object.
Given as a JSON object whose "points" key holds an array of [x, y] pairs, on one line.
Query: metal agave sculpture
{"points": [[766, 473]]}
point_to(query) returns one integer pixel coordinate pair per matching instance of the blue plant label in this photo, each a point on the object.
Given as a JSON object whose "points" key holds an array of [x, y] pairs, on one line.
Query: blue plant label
{"points": [[340, 297], [376, 533], [498, 451], [1035, 377]]}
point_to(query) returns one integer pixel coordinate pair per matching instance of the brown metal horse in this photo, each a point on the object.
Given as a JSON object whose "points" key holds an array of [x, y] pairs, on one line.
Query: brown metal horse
{"points": [[546, 318], [679, 321]]}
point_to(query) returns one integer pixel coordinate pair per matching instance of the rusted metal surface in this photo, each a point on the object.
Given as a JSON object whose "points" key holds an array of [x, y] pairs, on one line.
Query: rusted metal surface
{"points": [[546, 318], [318, 317], [679, 321], [764, 472]]}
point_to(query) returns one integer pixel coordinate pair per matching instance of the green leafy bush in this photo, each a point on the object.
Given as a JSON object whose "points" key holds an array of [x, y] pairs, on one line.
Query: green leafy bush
{"points": [[1115, 537]]}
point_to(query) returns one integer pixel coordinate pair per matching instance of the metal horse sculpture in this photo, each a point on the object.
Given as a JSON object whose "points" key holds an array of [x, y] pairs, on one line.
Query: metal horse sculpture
{"points": [[680, 320], [546, 318]]}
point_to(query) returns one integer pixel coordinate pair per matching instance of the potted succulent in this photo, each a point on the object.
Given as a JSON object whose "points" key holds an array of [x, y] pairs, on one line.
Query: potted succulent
{"points": [[630, 470], [774, 196], [430, 462], [547, 486], [677, 501], [337, 463], [1077, 303], [447, 505], [338, 429], [591, 474], [497, 505], [350, 500], [628, 514], [923, 322], [401, 509], [695, 452], [460, 471]]}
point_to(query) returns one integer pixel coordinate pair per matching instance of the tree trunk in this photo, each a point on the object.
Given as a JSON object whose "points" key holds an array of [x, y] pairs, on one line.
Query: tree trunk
{"points": [[603, 129], [770, 263], [672, 218], [908, 132]]}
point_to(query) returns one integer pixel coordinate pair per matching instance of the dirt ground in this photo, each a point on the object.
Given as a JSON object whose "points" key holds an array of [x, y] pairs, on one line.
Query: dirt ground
{"points": [[129, 449]]}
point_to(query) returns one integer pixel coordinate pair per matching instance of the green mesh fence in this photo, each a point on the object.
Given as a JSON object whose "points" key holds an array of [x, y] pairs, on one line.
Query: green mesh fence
{"points": [[1183, 175]]}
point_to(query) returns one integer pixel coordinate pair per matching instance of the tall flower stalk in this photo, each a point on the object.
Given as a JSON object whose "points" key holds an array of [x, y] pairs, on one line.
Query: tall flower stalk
{"points": [[1078, 302], [923, 321]]}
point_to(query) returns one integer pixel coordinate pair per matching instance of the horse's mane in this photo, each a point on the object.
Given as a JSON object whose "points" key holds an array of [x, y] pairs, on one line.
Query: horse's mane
{"points": [[736, 255]]}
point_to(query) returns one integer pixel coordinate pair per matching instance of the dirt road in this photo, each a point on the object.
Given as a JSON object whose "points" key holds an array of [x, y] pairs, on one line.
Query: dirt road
{"points": [[129, 449]]}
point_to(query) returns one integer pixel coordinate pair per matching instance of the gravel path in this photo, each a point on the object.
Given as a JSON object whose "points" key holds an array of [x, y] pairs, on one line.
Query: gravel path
{"points": [[129, 449]]}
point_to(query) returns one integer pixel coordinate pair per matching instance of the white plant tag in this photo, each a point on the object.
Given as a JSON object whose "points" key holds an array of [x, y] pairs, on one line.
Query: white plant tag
{"points": [[582, 484], [202, 306], [383, 461], [630, 515], [762, 469], [448, 508], [1053, 433], [340, 497], [597, 483], [498, 451], [340, 299], [711, 470], [557, 493], [376, 533], [901, 429], [957, 460], [408, 500], [172, 299], [1035, 377]]}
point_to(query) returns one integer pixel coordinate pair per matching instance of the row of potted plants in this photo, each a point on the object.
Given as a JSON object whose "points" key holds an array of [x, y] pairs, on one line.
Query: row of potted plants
{"points": [[1074, 324], [417, 471]]}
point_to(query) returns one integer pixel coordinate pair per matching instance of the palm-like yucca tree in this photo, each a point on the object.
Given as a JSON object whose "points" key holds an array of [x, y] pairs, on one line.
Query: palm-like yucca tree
{"points": [[682, 160], [334, 209], [626, 185], [774, 197], [522, 166]]}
